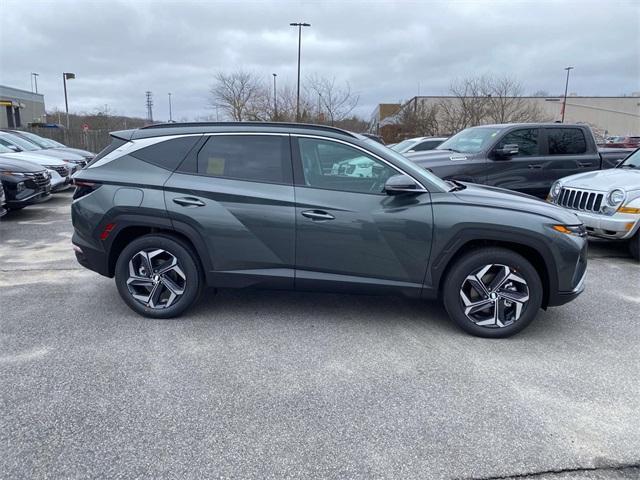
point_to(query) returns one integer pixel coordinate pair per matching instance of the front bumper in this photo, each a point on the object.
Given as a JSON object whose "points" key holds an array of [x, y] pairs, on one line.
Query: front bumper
{"points": [[620, 226]]}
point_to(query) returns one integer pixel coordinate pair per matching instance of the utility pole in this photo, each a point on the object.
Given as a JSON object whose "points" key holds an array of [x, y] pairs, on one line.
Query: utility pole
{"points": [[35, 80], [67, 76], [299, 25], [149, 96], [170, 117], [566, 88], [275, 97]]}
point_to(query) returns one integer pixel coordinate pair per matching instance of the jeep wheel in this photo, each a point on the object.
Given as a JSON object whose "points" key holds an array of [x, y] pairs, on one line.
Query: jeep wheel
{"points": [[634, 246], [158, 276], [492, 292]]}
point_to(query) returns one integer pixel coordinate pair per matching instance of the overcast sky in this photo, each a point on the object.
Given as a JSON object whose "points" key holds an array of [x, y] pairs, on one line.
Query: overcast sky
{"points": [[386, 50]]}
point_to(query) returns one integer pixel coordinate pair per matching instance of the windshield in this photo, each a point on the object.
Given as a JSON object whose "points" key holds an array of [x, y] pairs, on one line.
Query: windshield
{"points": [[54, 143], [39, 141], [20, 142], [404, 145], [4, 149], [402, 160], [632, 161], [470, 140]]}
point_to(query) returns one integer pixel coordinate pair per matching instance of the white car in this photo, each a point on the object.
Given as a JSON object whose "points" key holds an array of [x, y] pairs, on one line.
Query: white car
{"points": [[607, 201], [355, 167], [59, 169], [417, 144]]}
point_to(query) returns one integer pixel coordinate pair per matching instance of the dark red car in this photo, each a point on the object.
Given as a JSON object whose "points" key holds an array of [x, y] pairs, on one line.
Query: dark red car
{"points": [[624, 142]]}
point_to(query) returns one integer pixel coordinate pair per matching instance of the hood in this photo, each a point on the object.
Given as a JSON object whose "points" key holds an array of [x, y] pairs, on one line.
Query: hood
{"points": [[60, 154], [475, 194], [605, 180], [75, 151], [25, 166], [429, 157], [35, 158]]}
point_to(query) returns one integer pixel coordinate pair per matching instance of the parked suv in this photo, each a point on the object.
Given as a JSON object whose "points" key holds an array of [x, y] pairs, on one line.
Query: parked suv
{"points": [[169, 209]]}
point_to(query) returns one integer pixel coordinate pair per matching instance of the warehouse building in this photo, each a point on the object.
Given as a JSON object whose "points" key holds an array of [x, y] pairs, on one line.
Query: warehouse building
{"points": [[608, 115], [18, 108]]}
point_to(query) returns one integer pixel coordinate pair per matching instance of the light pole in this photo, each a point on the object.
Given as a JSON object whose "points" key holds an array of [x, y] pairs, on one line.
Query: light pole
{"points": [[67, 76], [299, 25], [566, 88], [170, 118], [275, 97]]}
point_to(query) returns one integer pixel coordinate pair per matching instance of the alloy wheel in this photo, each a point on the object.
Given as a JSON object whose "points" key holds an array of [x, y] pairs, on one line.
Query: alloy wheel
{"points": [[494, 296], [156, 279]]}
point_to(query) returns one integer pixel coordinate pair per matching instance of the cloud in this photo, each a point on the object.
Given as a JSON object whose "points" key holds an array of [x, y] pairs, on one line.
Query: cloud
{"points": [[386, 50]]}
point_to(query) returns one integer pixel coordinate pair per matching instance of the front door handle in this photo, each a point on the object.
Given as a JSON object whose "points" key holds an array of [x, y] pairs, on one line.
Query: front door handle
{"points": [[188, 202], [317, 215], [535, 166], [584, 165]]}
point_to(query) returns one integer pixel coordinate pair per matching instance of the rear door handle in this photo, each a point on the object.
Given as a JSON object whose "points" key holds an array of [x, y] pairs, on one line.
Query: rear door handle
{"points": [[535, 166], [188, 202], [317, 215], [584, 165]]}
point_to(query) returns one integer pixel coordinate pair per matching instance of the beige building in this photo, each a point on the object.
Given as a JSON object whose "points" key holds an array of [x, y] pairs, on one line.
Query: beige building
{"points": [[608, 115]]}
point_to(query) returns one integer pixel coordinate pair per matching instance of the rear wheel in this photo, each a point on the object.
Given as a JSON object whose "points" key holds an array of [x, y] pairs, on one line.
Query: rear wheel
{"points": [[158, 276], [492, 292]]}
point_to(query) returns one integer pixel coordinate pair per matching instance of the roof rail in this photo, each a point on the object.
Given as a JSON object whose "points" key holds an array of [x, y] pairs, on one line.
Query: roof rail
{"points": [[258, 124]]}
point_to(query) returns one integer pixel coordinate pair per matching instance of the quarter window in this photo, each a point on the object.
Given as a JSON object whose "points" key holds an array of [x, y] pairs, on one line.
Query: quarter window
{"points": [[334, 166], [526, 139], [167, 154], [566, 141], [257, 158]]}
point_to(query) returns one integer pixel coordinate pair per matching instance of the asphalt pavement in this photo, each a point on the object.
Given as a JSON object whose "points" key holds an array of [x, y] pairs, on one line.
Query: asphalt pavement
{"points": [[263, 384]]}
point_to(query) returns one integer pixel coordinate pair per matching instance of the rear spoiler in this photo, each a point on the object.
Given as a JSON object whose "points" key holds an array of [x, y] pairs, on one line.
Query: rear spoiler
{"points": [[125, 135]]}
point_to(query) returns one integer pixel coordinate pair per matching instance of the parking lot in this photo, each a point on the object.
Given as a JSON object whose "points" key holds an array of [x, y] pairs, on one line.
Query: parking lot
{"points": [[264, 384]]}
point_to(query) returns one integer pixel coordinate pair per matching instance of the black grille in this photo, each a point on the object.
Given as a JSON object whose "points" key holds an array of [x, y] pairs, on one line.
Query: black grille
{"points": [[580, 200], [61, 169], [40, 179]]}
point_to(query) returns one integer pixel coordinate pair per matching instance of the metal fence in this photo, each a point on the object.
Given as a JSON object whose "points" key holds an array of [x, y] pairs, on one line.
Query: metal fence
{"points": [[92, 140]]}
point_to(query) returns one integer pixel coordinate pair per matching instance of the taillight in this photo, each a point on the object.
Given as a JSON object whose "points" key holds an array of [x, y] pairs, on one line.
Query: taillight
{"points": [[84, 188]]}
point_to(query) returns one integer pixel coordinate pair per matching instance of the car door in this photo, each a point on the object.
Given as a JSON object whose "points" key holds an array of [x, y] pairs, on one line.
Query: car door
{"points": [[349, 234], [567, 151], [235, 192], [523, 172]]}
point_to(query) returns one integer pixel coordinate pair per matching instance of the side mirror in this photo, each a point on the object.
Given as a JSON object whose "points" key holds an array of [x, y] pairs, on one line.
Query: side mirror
{"points": [[399, 184], [507, 151], [14, 148], [410, 151]]}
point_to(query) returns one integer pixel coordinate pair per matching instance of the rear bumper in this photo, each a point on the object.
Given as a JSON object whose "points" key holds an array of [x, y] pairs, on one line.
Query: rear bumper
{"points": [[89, 257]]}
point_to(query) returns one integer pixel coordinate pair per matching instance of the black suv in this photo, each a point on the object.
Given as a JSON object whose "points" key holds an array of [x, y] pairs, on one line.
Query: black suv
{"points": [[169, 209]]}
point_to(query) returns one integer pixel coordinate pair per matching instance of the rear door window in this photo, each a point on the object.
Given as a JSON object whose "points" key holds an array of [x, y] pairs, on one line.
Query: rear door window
{"points": [[566, 141], [256, 158]]}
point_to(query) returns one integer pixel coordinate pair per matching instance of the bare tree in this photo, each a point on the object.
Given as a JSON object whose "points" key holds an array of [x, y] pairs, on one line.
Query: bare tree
{"points": [[418, 119], [240, 95], [334, 101]]}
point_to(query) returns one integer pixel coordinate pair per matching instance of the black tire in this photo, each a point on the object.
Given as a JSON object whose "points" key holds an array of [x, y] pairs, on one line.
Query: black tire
{"points": [[634, 246], [474, 261], [186, 261]]}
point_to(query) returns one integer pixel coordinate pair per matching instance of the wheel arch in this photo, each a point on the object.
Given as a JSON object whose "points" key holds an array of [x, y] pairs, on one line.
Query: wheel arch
{"points": [[541, 260]]}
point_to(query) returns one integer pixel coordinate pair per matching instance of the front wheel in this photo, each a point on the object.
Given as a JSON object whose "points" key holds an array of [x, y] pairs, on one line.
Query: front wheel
{"points": [[158, 276], [634, 246], [492, 292]]}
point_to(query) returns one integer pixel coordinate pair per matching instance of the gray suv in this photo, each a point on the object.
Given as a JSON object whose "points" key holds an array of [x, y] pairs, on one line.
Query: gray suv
{"points": [[170, 209]]}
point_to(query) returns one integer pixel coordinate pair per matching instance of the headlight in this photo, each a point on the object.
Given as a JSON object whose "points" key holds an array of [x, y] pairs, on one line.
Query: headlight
{"points": [[577, 230], [20, 186], [615, 197], [555, 189], [14, 174]]}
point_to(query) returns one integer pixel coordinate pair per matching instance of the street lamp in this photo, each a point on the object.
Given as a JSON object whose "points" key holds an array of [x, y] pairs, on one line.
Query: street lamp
{"points": [[34, 78], [170, 118], [67, 76], [566, 88], [275, 97], [299, 25]]}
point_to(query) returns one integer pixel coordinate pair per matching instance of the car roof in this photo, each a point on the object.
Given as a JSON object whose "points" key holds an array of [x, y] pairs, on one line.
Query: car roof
{"points": [[533, 124], [164, 129]]}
